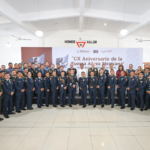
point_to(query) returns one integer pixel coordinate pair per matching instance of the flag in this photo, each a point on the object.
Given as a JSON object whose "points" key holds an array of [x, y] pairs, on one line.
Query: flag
{"points": [[63, 61], [36, 60], [22, 64]]}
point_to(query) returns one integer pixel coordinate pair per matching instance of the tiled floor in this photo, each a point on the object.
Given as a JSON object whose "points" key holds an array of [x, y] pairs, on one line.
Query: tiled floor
{"points": [[76, 129]]}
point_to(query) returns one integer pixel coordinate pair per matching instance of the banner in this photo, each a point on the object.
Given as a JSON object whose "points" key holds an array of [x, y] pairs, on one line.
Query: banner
{"points": [[99, 56]]}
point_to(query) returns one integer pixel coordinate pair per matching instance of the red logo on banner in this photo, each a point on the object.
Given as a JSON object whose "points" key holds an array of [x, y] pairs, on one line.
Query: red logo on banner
{"points": [[81, 44]]}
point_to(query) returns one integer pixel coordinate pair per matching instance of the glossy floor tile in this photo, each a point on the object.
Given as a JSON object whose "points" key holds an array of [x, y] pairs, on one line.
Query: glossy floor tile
{"points": [[76, 128]]}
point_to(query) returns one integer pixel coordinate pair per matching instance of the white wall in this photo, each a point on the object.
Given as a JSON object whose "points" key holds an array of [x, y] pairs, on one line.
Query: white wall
{"points": [[56, 39]]}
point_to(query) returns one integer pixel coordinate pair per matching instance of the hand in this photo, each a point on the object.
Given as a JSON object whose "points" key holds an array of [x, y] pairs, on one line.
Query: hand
{"points": [[108, 87], [12, 93], [128, 88], [48, 90], [74, 86], [98, 86], [137, 89], [117, 86], [57, 87], [33, 89], [0, 93], [91, 87], [22, 90], [65, 87]]}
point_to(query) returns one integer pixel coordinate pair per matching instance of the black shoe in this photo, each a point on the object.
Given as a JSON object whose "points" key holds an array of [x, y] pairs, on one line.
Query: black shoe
{"points": [[47, 105], [145, 109], [6, 116], [1, 119], [132, 109], [18, 111], [62, 105], [94, 106], [102, 106], [122, 107], [112, 106], [39, 106], [12, 113], [84, 106], [54, 105], [70, 105], [141, 109]]}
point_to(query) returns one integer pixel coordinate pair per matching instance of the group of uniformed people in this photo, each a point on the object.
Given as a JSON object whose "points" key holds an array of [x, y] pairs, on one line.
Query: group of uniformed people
{"points": [[20, 83]]}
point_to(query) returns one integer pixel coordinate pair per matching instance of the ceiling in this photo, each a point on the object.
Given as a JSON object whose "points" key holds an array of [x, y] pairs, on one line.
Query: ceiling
{"points": [[58, 15]]}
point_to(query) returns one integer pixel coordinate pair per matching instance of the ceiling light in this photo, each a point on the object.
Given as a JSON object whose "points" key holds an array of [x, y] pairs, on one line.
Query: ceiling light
{"points": [[8, 45], [123, 32], [102, 144], [105, 24], [39, 33]]}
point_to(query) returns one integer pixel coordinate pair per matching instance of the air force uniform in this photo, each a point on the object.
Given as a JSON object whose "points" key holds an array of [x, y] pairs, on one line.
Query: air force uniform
{"points": [[147, 94], [128, 71], [47, 86]]}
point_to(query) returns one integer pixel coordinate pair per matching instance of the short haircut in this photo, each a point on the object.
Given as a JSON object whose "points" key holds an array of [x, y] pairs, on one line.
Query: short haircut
{"points": [[131, 65], [81, 64], [112, 70], [132, 71], [9, 63], [32, 63], [82, 72], [141, 73], [58, 64], [6, 73]]}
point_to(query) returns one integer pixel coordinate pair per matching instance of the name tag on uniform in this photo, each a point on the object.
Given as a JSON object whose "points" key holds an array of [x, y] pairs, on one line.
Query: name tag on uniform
{"points": [[141, 81], [112, 78]]}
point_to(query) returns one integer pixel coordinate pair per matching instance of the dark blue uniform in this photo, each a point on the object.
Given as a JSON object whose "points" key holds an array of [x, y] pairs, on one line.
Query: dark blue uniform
{"points": [[29, 91], [54, 84], [128, 71], [8, 98], [62, 81], [101, 91], [147, 95], [83, 84], [140, 92], [131, 84], [106, 73], [19, 85], [71, 80], [121, 82], [47, 86], [111, 81], [39, 83], [92, 81]]}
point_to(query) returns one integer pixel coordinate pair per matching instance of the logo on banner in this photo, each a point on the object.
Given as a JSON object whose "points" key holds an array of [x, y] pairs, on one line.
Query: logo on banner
{"points": [[81, 44], [63, 61], [95, 51]]}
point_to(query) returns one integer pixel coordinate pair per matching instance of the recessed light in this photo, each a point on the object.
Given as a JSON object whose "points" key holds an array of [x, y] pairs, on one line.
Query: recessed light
{"points": [[102, 144], [105, 24]]}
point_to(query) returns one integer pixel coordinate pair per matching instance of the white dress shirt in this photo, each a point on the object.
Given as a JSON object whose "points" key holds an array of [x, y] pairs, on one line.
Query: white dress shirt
{"points": [[79, 73]]}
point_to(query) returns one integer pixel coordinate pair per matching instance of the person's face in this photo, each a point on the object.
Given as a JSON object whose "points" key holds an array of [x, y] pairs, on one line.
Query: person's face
{"points": [[122, 73], [54, 73], [16, 66], [3, 67], [39, 74], [81, 66], [139, 68], [13, 73], [33, 66], [7, 76], [93, 65], [71, 72], [83, 74], [47, 74], [147, 70], [62, 74], [141, 75], [38, 65], [120, 68], [19, 74], [47, 64], [136, 72], [92, 74], [130, 66], [101, 71], [26, 70], [52, 66], [111, 66], [20, 66], [10, 65], [58, 66], [132, 74], [29, 74], [61, 68], [16, 70], [112, 72], [42, 67], [71, 65], [147, 66], [103, 66], [25, 65], [29, 65]]}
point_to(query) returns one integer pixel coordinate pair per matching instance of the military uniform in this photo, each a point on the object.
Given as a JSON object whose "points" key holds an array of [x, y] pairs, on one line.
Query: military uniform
{"points": [[47, 86], [92, 82], [43, 72], [140, 92], [24, 75], [95, 70], [62, 81], [54, 84], [71, 80], [29, 91], [1, 90], [121, 82], [83, 81], [111, 81], [39, 83], [128, 71], [69, 69], [19, 85], [51, 71], [131, 84], [7, 100], [9, 70], [147, 94], [106, 73], [59, 73], [101, 82], [34, 72]]}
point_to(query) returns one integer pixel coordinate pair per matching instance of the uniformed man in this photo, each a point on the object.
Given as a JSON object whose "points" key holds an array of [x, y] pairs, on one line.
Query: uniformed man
{"points": [[128, 71], [16, 70], [16, 65], [54, 88], [3, 68], [33, 70], [62, 69], [58, 67], [111, 67], [136, 74], [71, 68], [1, 92], [92, 83], [83, 81], [10, 69], [8, 96], [47, 88], [30, 88], [20, 67], [29, 65], [19, 92], [25, 66], [101, 81], [147, 67], [94, 69], [13, 75], [140, 91], [111, 82], [62, 81], [43, 71], [147, 92], [121, 85], [25, 73], [47, 67], [39, 89], [146, 73], [131, 88], [52, 69], [38, 66], [72, 83]]}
